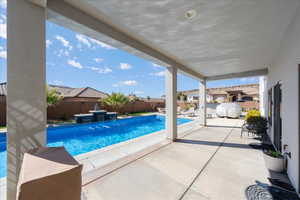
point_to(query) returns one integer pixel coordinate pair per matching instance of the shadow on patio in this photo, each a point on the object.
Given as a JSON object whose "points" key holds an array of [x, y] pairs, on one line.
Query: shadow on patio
{"points": [[210, 143]]}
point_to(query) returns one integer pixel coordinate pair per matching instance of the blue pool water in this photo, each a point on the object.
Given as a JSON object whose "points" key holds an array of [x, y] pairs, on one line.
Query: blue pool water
{"points": [[78, 139]]}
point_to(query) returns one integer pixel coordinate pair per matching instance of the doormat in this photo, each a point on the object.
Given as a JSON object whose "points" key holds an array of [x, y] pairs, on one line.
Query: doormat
{"points": [[284, 185], [265, 192]]}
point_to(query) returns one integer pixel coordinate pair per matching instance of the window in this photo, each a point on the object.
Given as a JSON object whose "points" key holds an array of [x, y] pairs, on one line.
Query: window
{"points": [[270, 106]]}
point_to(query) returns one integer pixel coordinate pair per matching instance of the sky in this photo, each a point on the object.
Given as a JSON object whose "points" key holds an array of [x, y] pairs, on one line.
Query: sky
{"points": [[76, 60]]}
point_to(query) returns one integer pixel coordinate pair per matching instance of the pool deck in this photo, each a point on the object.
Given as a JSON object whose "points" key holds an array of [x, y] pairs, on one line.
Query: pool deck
{"points": [[209, 163]]}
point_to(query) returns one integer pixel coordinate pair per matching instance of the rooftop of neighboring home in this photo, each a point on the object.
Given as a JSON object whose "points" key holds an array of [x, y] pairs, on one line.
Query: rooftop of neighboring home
{"points": [[249, 89], [66, 92]]}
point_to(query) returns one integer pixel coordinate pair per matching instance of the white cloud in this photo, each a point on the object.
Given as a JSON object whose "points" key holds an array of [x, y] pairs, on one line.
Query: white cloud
{"points": [[129, 83], [138, 92], [89, 42], [75, 64], [125, 66], [104, 70], [102, 44], [3, 4], [64, 42], [156, 65], [48, 43], [161, 73], [3, 54], [126, 83], [83, 39], [3, 31], [98, 60], [62, 52], [57, 82], [249, 79]]}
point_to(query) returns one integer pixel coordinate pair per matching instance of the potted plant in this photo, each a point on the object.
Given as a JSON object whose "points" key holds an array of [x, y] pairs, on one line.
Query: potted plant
{"points": [[274, 160], [256, 123]]}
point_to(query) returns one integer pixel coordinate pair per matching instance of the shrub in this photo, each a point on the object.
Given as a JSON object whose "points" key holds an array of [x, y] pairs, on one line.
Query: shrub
{"points": [[53, 97], [258, 123], [252, 113]]}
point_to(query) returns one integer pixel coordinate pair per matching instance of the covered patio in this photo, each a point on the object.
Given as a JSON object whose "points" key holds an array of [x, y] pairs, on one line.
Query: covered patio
{"points": [[213, 162], [207, 40]]}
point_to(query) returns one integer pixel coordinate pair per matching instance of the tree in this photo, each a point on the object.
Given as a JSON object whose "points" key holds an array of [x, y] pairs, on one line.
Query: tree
{"points": [[53, 97], [116, 101]]}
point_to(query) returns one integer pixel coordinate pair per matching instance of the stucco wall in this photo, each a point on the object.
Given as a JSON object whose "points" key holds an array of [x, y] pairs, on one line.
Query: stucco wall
{"points": [[285, 70], [67, 108]]}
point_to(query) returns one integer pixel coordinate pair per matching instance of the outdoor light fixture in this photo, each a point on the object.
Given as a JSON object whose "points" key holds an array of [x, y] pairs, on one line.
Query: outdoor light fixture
{"points": [[190, 14]]}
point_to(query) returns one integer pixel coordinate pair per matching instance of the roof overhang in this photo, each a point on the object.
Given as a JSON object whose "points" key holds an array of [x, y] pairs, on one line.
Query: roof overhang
{"points": [[71, 17], [226, 39], [260, 72]]}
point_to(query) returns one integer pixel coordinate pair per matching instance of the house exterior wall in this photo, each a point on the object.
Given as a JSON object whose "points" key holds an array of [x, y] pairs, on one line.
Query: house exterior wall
{"points": [[285, 70]]}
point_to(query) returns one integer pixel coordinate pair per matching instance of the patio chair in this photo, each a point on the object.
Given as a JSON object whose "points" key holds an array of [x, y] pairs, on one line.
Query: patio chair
{"points": [[247, 128], [210, 113]]}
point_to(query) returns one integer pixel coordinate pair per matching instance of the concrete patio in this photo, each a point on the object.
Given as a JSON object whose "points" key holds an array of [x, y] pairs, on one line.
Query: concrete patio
{"points": [[212, 162]]}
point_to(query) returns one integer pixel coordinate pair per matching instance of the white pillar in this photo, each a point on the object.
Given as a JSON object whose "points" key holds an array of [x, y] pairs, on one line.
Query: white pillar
{"points": [[262, 95], [171, 102], [202, 102], [26, 89]]}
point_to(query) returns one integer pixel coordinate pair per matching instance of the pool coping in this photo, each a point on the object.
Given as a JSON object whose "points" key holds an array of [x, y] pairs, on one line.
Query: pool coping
{"points": [[89, 175], [107, 148]]}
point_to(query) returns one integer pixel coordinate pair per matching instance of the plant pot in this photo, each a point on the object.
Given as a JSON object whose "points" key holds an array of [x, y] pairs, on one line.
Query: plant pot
{"points": [[274, 163]]}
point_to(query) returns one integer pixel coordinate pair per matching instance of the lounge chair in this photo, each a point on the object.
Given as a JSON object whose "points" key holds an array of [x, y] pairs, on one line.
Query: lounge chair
{"points": [[161, 110], [190, 112]]}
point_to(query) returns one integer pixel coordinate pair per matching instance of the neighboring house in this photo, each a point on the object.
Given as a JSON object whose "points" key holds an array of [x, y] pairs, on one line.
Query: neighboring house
{"points": [[241, 93], [78, 94], [75, 100]]}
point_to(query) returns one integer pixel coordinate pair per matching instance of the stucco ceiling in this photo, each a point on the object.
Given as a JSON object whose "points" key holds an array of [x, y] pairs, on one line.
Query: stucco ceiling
{"points": [[225, 36]]}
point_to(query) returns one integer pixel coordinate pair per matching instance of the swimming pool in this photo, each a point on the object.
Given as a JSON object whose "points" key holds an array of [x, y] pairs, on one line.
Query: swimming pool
{"points": [[79, 139]]}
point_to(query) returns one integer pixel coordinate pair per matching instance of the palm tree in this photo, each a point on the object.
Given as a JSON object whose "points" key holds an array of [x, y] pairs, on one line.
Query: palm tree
{"points": [[52, 97], [116, 101]]}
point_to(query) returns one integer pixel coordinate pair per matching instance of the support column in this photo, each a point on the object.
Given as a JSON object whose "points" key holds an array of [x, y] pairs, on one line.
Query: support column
{"points": [[26, 89], [202, 102], [262, 95], [171, 102]]}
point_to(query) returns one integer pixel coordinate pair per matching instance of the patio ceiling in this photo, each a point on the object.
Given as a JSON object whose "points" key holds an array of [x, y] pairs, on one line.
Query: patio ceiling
{"points": [[224, 39]]}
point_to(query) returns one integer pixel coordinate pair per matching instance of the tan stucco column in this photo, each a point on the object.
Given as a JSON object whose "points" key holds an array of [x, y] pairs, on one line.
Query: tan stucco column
{"points": [[26, 92], [202, 102], [171, 102]]}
